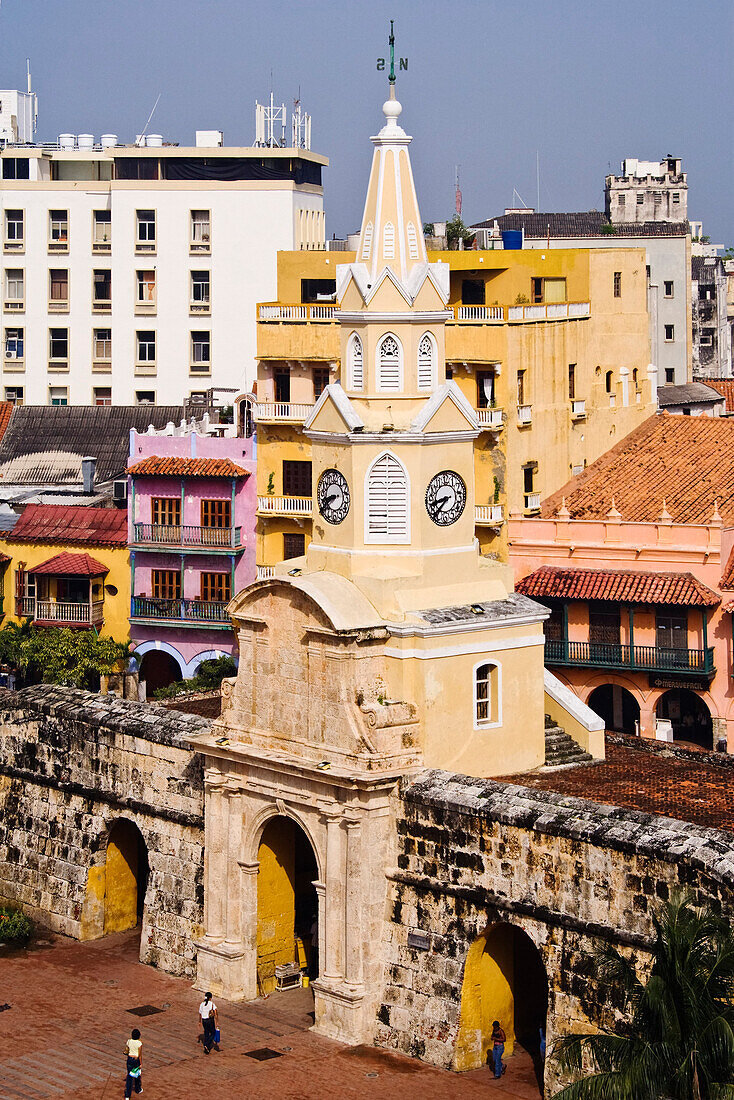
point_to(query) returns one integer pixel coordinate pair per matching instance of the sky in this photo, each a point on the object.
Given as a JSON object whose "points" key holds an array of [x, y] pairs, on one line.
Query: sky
{"points": [[496, 87]]}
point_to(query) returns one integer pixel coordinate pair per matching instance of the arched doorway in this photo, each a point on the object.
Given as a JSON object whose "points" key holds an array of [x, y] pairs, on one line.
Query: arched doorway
{"points": [[505, 980], [287, 904], [617, 707], [688, 715], [126, 877], [159, 669]]}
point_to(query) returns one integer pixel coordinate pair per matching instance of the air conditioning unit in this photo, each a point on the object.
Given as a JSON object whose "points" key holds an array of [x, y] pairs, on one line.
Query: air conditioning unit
{"points": [[119, 490]]}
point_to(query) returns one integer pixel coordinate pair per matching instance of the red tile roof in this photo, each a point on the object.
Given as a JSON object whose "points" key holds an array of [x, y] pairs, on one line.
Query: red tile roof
{"points": [[685, 461], [71, 524], [727, 577], [71, 565], [623, 586], [187, 467], [724, 386], [6, 411]]}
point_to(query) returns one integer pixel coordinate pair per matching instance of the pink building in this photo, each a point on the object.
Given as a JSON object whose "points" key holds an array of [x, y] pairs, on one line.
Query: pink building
{"points": [[635, 559], [191, 529]]}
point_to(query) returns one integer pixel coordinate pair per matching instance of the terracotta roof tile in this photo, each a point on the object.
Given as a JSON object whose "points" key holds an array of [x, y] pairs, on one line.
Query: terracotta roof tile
{"points": [[724, 386], [685, 461], [727, 577], [581, 223], [71, 565], [172, 466], [623, 586], [6, 411], [71, 523]]}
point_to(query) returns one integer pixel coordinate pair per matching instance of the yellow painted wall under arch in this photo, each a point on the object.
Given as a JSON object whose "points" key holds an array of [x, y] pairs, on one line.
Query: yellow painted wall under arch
{"points": [[276, 899], [121, 878]]}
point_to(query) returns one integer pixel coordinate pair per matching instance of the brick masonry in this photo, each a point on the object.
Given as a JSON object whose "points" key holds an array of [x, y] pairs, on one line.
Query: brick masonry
{"points": [[71, 763]]}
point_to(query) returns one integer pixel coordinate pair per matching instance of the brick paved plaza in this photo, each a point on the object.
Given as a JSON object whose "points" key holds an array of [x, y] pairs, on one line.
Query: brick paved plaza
{"points": [[68, 1020]]}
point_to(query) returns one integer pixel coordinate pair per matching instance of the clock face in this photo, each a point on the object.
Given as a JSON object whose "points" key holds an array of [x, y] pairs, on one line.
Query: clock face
{"points": [[332, 495], [445, 497]]}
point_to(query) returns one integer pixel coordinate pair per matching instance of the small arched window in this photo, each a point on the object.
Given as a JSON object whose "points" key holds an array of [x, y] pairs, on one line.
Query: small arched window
{"points": [[389, 364], [387, 501], [426, 372], [356, 367], [388, 241], [609, 378], [487, 697], [367, 241], [412, 241]]}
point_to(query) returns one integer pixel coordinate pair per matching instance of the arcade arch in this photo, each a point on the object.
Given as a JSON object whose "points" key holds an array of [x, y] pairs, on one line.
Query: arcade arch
{"points": [[617, 707], [125, 877], [159, 669], [688, 715]]}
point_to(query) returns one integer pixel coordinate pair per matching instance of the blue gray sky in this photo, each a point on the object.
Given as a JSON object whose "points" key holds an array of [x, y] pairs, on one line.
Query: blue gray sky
{"points": [[491, 86]]}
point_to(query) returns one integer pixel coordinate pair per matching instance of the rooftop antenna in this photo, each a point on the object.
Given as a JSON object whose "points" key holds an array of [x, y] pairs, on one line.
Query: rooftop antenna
{"points": [[28, 73], [537, 176], [458, 192], [515, 192], [140, 140]]}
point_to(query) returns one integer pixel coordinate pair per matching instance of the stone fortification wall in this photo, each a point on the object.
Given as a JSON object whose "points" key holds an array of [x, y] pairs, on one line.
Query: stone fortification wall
{"points": [[71, 764], [569, 873]]}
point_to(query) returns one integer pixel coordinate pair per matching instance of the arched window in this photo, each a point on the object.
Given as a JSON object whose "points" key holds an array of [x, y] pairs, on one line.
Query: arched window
{"points": [[367, 241], [356, 368], [389, 364], [609, 379], [388, 241], [412, 241], [487, 695], [426, 358], [387, 501]]}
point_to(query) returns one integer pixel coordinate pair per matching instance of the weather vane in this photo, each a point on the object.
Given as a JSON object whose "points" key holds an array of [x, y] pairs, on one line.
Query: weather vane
{"points": [[402, 61]]}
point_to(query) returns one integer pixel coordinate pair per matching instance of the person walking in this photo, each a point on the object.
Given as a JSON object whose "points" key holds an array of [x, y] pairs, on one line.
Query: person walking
{"points": [[498, 1048], [134, 1052], [209, 1017]]}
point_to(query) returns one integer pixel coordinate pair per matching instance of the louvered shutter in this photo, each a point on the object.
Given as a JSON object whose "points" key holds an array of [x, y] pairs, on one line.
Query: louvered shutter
{"points": [[412, 242], [367, 241], [387, 501], [388, 241], [356, 362], [425, 363], [389, 365]]}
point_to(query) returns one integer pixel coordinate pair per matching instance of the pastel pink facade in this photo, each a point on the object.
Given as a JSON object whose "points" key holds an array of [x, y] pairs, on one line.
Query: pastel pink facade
{"points": [[192, 547], [661, 547]]}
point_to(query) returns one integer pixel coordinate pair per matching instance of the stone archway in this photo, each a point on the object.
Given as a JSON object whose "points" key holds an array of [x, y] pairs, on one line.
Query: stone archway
{"points": [[504, 979], [126, 877], [689, 716], [616, 706], [159, 669]]}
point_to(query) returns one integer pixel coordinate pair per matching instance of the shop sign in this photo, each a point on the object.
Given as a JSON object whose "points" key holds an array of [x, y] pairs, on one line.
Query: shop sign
{"points": [[668, 682]]}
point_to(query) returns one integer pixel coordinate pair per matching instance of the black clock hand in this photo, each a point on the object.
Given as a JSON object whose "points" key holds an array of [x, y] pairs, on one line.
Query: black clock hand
{"points": [[444, 501], [332, 497]]}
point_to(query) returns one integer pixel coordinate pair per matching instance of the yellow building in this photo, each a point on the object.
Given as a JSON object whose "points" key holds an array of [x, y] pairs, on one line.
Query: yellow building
{"points": [[551, 350], [69, 566]]}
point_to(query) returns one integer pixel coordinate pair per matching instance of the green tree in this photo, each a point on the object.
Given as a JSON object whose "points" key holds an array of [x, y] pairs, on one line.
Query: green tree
{"points": [[678, 1043], [456, 231], [50, 655]]}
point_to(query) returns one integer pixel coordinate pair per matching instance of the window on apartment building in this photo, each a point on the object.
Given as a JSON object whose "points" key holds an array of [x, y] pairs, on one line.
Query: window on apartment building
{"points": [[548, 290], [145, 230], [647, 272], [318, 290], [555, 625], [706, 292], [101, 288], [136, 168], [485, 389], [166, 511], [165, 584], [636, 378], [58, 395], [102, 395], [617, 284], [58, 234], [16, 168], [145, 346], [658, 199], [604, 623], [294, 546], [671, 628], [472, 292], [200, 289], [101, 230], [572, 381], [102, 344], [640, 197], [670, 332], [528, 477], [14, 344], [609, 381], [145, 397], [320, 381], [201, 356], [58, 344], [145, 287], [14, 288], [216, 513], [669, 375], [486, 694], [14, 395], [14, 230], [58, 288], [216, 587], [296, 479], [200, 231], [669, 288], [283, 385], [706, 339], [621, 199], [521, 387], [676, 198]]}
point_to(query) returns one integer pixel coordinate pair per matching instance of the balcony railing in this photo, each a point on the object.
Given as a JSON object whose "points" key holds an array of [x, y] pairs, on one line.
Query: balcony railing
{"points": [[264, 572], [299, 312], [524, 414], [282, 411], [53, 611], [184, 610], [532, 502], [490, 418], [489, 515], [578, 409], [164, 534], [285, 506], [549, 311], [638, 658], [479, 313]]}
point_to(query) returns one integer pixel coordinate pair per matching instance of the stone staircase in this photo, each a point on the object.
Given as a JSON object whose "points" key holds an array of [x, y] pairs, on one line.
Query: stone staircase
{"points": [[561, 750]]}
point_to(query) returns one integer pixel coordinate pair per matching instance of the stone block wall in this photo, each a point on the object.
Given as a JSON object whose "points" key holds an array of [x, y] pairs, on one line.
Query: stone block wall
{"points": [[569, 873], [71, 764]]}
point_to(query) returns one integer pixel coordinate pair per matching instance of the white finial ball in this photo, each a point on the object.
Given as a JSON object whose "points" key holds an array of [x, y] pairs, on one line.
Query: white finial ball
{"points": [[391, 108]]}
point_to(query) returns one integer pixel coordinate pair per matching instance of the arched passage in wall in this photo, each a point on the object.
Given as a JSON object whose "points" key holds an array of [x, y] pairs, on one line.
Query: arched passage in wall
{"points": [[505, 980], [126, 877], [688, 715], [287, 904], [617, 707], [159, 669]]}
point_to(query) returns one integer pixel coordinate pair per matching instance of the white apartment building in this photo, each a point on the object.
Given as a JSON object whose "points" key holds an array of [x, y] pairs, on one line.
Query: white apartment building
{"points": [[130, 273]]}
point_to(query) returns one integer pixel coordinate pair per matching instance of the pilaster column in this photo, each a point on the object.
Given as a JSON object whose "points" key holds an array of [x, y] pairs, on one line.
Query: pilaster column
{"points": [[215, 857], [248, 909], [354, 904], [334, 904], [233, 877]]}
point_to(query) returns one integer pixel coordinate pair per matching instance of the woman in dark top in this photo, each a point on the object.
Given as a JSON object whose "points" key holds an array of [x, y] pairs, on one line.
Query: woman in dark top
{"points": [[498, 1048]]}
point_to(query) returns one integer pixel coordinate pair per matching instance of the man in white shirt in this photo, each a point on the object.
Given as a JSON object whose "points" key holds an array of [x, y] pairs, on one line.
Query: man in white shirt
{"points": [[209, 1018]]}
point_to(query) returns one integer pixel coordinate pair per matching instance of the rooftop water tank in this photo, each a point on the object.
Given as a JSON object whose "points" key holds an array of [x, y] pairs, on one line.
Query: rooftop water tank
{"points": [[67, 141], [512, 238], [85, 141], [154, 141], [109, 141]]}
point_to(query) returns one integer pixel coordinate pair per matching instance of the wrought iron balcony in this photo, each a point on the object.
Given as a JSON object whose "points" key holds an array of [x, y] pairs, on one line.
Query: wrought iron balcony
{"points": [[184, 535], [178, 611], [638, 658]]}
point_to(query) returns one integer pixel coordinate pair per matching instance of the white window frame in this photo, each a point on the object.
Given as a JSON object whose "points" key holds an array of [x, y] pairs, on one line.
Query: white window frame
{"points": [[669, 339], [200, 366], [145, 360], [14, 243], [62, 398], [97, 341], [144, 240], [14, 301], [100, 230], [16, 357], [387, 539], [495, 720], [669, 283], [432, 379], [355, 382], [201, 239], [378, 365]]}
